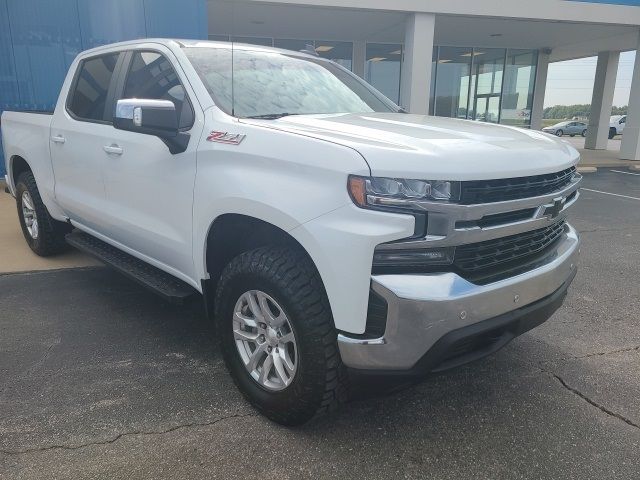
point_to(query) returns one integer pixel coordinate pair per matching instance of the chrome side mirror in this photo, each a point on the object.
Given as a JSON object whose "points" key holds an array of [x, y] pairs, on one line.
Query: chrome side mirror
{"points": [[151, 117]]}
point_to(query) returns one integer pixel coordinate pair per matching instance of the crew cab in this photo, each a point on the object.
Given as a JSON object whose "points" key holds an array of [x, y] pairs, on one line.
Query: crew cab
{"points": [[327, 230]]}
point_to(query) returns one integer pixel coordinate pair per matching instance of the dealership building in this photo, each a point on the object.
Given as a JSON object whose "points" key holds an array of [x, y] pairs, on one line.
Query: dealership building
{"points": [[484, 60]]}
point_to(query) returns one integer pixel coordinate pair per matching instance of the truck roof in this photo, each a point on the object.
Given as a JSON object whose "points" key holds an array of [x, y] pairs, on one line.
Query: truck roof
{"points": [[177, 43]]}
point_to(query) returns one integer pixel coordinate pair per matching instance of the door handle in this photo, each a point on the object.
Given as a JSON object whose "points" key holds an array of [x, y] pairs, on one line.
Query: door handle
{"points": [[113, 149], [58, 139]]}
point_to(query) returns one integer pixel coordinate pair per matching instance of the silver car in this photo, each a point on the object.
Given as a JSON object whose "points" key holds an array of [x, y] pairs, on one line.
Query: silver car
{"points": [[570, 128]]}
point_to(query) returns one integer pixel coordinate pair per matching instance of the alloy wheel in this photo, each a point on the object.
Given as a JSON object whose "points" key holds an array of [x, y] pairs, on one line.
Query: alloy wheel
{"points": [[265, 340]]}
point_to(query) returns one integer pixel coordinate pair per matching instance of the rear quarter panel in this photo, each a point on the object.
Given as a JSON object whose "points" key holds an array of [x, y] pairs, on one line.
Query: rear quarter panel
{"points": [[26, 135]]}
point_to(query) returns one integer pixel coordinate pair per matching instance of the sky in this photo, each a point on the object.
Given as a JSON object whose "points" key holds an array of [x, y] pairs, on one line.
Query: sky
{"points": [[571, 82]]}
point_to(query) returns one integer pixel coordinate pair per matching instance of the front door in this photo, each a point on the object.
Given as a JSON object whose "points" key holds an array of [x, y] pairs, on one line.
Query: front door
{"points": [[148, 189]]}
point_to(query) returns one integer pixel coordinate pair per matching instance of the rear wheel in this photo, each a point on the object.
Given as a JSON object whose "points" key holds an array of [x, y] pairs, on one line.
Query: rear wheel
{"points": [[277, 336], [612, 132], [44, 235], [584, 132], [559, 133]]}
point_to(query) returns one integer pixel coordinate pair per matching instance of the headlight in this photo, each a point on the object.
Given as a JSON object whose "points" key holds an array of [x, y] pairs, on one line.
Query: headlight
{"points": [[400, 192]]}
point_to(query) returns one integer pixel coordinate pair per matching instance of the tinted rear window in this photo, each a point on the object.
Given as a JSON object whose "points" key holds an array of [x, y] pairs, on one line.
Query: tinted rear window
{"points": [[89, 97]]}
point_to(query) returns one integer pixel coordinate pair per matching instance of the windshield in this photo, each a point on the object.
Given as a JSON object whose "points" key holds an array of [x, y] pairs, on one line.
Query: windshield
{"points": [[275, 84]]}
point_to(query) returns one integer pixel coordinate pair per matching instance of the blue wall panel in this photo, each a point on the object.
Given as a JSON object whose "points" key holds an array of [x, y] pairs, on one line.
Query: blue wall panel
{"points": [[184, 19], [112, 21], [9, 97], [40, 38], [46, 38]]}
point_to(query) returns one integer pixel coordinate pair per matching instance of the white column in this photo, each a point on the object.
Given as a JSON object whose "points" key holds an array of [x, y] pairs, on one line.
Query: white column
{"points": [[630, 146], [602, 101], [359, 57], [539, 89], [416, 63]]}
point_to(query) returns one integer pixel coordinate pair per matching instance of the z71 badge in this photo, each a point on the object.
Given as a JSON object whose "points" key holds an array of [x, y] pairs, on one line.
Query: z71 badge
{"points": [[226, 137]]}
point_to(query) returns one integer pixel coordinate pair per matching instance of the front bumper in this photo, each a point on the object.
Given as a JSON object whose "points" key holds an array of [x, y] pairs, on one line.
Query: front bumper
{"points": [[430, 316]]}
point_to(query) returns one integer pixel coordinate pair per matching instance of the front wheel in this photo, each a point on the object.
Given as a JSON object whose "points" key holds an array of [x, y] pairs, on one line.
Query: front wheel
{"points": [[44, 235], [277, 336], [612, 132], [559, 133]]}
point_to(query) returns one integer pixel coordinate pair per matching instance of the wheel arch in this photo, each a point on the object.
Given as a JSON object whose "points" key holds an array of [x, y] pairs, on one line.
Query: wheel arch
{"points": [[231, 234], [17, 166]]}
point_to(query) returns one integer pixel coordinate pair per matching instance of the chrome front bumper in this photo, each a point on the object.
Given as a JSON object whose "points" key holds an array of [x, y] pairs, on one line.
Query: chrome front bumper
{"points": [[422, 309]]}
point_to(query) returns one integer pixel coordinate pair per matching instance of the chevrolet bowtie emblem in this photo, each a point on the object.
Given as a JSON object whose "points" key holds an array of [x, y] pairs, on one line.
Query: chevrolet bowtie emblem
{"points": [[225, 137], [554, 210]]}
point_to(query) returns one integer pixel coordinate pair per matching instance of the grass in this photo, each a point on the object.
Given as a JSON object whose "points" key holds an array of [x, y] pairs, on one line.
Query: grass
{"points": [[547, 122]]}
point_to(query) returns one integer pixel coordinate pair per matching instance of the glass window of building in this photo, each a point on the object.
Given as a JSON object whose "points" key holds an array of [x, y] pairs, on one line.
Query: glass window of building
{"points": [[382, 69], [486, 84], [452, 82], [432, 89], [264, 41], [293, 44], [517, 92], [339, 52]]}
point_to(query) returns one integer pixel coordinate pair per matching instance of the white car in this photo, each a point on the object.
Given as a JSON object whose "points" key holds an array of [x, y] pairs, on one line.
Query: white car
{"points": [[616, 125], [325, 229]]}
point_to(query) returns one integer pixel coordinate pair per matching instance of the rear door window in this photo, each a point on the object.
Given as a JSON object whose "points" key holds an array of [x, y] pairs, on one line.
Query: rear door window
{"points": [[88, 100], [151, 76]]}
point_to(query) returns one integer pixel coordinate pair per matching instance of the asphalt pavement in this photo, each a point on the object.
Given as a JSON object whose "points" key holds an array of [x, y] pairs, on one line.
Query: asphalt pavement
{"points": [[101, 379]]}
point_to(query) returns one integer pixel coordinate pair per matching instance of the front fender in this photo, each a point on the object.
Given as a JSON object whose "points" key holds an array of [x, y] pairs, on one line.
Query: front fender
{"points": [[282, 178]]}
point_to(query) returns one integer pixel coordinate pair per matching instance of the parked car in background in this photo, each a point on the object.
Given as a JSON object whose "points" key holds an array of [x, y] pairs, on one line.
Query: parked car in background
{"points": [[570, 128], [323, 228], [616, 125]]}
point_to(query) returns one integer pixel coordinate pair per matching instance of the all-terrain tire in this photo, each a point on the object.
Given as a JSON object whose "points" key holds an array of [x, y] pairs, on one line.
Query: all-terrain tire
{"points": [[289, 277], [50, 233]]}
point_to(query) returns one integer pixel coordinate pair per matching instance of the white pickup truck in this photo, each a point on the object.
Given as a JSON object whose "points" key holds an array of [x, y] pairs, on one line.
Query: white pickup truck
{"points": [[327, 230], [616, 125]]}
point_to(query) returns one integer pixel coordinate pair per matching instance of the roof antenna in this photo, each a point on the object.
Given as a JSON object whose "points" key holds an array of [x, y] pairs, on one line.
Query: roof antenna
{"points": [[233, 22]]}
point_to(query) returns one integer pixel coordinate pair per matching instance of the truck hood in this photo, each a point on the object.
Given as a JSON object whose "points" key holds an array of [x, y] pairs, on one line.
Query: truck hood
{"points": [[419, 146]]}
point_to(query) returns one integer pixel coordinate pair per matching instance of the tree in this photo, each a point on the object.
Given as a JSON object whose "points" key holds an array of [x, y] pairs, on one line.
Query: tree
{"points": [[570, 111]]}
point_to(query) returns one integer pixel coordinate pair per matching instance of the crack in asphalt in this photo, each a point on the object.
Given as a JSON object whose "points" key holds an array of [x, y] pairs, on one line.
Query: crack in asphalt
{"points": [[125, 434], [602, 408], [596, 354], [606, 230], [612, 352]]}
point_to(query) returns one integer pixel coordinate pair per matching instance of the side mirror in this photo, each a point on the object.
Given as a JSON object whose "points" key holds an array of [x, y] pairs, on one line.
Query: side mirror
{"points": [[151, 117]]}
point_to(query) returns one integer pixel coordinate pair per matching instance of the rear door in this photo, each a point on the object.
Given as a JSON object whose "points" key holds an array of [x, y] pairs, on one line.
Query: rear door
{"points": [[149, 190], [77, 136]]}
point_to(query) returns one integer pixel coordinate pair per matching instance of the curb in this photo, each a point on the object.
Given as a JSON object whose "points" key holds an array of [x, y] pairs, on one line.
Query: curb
{"points": [[587, 169]]}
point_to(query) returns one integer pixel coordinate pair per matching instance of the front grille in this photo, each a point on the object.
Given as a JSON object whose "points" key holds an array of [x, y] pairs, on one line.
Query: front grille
{"points": [[490, 191], [491, 260]]}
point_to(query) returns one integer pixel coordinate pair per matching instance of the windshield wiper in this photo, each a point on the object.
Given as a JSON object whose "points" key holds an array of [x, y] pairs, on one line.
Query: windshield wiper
{"points": [[272, 116]]}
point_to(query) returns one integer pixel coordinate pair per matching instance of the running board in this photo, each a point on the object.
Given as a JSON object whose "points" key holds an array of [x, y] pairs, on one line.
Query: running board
{"points": [[167, 286]]}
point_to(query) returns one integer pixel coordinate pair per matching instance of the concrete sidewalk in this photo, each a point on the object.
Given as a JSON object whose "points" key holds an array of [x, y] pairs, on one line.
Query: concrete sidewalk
{"points": [[16, 256], [601, 158]]}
